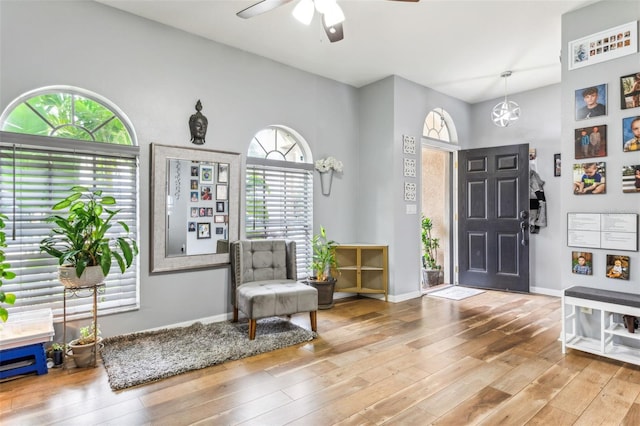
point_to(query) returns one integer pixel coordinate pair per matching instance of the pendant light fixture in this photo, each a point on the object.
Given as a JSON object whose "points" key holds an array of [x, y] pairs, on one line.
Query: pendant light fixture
{"points": [[506, 112], [329, 9]]}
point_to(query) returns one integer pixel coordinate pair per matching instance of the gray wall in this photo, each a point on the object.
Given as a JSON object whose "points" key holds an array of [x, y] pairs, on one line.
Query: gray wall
{"points": [[539, 126], [595, 18], [155, 74]]}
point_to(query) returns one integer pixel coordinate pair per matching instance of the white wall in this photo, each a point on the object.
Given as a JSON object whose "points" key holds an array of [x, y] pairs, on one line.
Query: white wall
{"points": [[589, 20], [155, 74]]}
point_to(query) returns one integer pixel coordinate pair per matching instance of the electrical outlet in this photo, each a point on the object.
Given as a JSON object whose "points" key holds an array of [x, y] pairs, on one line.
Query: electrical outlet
{"points": [[586, 310]]}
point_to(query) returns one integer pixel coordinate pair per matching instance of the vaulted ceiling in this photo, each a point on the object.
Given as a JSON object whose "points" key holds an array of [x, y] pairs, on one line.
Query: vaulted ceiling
{"points": [[459, 48]]}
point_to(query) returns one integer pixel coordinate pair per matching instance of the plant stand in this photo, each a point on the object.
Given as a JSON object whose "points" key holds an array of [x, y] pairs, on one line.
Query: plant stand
{"points": [[87, 291]]}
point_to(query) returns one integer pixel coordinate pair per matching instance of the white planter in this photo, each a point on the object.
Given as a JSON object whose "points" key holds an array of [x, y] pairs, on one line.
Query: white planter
{"points": [[91, 276]]}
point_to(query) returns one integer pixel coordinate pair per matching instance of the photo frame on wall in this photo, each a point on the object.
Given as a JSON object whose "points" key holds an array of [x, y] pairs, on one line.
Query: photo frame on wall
{"points": [[204, 230], [589, 178], [557, 164], [615, 42], [631, 179], [590, 141], [630, 91], [219, 206], [591, 102], [618, 266], [582, 263], [206, 174], [222, 192], [631, 134], [223, 173]]}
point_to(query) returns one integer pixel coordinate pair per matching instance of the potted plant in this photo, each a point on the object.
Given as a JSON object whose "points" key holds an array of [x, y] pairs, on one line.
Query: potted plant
{"points": [[5, 274], [430, 246], [80, 241], [57, 354], [82, 349], [323, 262]]}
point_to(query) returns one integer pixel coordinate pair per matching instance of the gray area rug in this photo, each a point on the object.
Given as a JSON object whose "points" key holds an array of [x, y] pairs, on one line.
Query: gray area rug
{"points": [[138, 358]]}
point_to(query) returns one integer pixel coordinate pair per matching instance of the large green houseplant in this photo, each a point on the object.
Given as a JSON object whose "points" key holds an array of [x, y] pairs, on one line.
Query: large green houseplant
{"points": [[5, 274], [80, 239], [323, 263], [430, 245]]}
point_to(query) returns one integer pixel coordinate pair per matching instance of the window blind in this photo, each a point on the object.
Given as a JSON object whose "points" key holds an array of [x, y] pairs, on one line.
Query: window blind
{"points": [[34, 179], [279, 204]]}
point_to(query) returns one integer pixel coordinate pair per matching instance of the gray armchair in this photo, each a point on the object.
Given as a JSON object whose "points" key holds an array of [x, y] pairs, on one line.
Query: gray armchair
{"points": [[264, 282]]}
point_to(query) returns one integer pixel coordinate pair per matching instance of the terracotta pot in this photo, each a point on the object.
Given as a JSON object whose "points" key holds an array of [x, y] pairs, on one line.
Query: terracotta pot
{"points": [[83, 354]]}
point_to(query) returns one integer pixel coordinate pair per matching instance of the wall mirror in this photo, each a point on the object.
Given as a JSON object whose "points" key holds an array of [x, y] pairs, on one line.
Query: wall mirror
{"points": [[195, 199]]}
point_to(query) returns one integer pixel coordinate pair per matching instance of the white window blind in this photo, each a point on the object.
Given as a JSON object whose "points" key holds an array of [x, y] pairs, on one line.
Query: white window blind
{"points": [[32, 179], [279, 204]]}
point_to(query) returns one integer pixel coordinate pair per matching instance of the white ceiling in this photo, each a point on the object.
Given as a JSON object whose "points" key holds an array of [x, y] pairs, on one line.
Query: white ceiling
{"points": [[456, 47]]}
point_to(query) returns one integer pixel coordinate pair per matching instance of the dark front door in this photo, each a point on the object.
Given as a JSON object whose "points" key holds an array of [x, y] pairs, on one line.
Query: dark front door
{"points": [[494, 207]]}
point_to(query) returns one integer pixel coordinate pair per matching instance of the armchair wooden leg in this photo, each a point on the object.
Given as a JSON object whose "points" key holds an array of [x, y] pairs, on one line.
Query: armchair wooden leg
{"points": [[235, 314], [252, 329], [314, 320]]}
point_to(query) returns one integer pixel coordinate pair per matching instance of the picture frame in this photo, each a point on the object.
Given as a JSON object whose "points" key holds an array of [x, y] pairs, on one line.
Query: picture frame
{"points": [[557, 165], [194, 212], [618, 266], [222, 192], [630, 91], [206, 173], [219, 206], [194, 196], [589, 178], [631, 179], [223, 173], [205, 193], [603, 46], [191, 227], [590, 141], [631, 134], [219, 230], [582, 262], [204, 230], [209, 212], [195, 171], [194, 184], [591, 102], [220, 218]]}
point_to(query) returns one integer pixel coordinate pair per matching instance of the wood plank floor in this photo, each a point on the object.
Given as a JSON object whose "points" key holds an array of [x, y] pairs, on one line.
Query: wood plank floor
{"points": [[491, 359]]}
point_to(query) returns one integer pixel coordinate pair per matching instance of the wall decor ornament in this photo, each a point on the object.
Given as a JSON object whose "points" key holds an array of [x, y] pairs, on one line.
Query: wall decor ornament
{"points": [[410, 167], [326, 168], [409, 191], [408, 144], [198, 124]]}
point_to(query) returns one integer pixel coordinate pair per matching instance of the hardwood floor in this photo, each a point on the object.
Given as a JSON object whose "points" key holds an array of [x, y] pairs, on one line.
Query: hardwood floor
{"points": [[491, 359]]}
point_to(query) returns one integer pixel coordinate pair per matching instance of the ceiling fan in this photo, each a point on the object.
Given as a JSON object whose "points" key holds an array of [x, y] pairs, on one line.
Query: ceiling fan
{"points": [[332, 15]]}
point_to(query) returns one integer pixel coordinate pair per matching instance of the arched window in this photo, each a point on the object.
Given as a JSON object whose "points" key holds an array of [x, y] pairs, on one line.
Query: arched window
{"points": [[439, 125], [279, 190], [50, 140]]}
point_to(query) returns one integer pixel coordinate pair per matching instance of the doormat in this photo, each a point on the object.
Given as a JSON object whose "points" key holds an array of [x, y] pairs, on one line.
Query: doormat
{"points": [[456, 292], [139, 358]]}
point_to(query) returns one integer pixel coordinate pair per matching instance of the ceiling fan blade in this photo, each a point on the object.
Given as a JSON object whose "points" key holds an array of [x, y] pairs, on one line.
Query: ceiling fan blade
{"points": [[260, 8], [335, 33]]}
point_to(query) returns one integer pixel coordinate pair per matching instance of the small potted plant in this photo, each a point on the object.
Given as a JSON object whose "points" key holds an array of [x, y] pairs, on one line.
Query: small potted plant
{"points": [[430, 244], [5, 274], [322, 265], [80, 241], [82, 349], [57, 354]]}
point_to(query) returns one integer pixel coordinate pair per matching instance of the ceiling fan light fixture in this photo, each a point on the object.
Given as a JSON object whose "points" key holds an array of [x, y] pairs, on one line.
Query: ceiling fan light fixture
{"points": [[334, 15], [303, 11], [323, 6]]}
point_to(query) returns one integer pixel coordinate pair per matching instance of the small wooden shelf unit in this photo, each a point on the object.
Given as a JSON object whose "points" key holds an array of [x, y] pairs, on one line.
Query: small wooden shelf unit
{"points": [[363, 269]]}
